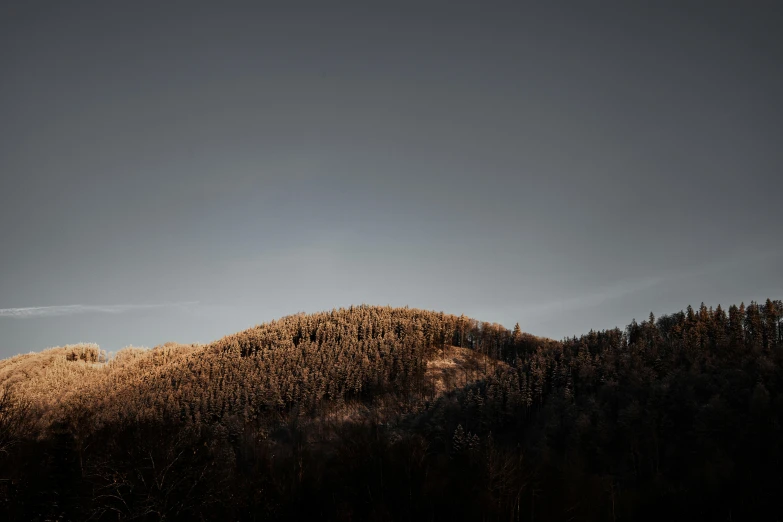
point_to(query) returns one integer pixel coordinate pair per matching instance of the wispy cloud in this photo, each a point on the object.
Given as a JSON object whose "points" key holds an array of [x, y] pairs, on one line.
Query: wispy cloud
{"points": [[54, 311], [594, 298], [625, 288]]}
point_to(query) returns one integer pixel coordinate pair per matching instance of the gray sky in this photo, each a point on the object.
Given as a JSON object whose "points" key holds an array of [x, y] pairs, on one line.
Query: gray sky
{"points": [[177, 172]]}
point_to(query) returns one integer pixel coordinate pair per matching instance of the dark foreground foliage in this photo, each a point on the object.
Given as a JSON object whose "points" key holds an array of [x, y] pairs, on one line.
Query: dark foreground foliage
{"points": [[675, 418]]}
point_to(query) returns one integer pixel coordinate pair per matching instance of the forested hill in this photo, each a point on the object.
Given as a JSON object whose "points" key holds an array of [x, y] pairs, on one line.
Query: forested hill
{"points": [[378, 413], [312, 362]]}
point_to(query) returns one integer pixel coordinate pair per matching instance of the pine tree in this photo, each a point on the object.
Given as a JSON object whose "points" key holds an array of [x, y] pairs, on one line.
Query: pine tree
{"points": [[772, 316], [458, 441], [753, 327], [516, 335], [736, 331]]}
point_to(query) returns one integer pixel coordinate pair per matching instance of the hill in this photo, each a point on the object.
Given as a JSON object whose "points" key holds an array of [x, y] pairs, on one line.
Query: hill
{"points": [[374, 413]]}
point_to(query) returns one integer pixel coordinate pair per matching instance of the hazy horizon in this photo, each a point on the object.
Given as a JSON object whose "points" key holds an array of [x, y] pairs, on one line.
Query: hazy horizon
{"points": [[181, 172]]}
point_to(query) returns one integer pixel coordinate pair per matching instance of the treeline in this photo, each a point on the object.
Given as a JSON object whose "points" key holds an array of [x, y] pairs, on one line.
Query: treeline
{"points": [[332, 415], [678, 417]]}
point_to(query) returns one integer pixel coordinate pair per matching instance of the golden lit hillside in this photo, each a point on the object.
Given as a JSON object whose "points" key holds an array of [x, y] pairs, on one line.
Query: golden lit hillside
{"points": [[348, 355]]}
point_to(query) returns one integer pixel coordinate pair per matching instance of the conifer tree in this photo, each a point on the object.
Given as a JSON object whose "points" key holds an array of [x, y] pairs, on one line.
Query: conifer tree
{"points": [[458, 441]]}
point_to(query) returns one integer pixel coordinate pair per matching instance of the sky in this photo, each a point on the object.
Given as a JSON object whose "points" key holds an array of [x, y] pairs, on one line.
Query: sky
{"points": [[179, 171]]}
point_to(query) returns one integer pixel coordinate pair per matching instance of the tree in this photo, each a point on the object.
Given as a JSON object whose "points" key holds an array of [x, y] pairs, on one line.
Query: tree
{"points": [[458, 441]]}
